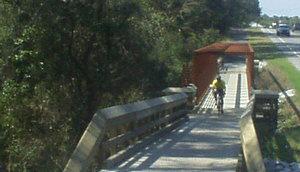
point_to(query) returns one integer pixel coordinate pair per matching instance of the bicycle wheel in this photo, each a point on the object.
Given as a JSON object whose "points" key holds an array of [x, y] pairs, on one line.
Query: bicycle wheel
{"points": [[219, 103], [222, 103]]}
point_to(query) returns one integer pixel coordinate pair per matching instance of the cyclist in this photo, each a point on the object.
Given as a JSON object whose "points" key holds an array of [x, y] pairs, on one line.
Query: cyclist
{"points": [[218, 86]]}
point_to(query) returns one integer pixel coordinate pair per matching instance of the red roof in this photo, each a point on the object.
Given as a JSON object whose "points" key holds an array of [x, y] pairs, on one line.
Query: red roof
{"points": [[226, 48]]}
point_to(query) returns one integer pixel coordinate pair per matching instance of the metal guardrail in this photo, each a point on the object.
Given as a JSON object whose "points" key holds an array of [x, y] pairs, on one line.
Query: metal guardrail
{"points": [[117, 132]]}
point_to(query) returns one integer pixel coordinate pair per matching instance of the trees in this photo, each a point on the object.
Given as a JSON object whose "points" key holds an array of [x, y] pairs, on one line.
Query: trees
{"points": [[266, 20], [62, 59], [220, 14]]}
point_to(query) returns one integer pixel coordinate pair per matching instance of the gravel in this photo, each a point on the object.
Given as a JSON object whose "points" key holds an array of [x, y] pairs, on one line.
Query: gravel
{"points": [[281, 166]]}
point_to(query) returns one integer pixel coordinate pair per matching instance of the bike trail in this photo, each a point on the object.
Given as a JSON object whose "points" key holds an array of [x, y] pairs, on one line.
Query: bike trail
{"points": [[207, 142]]}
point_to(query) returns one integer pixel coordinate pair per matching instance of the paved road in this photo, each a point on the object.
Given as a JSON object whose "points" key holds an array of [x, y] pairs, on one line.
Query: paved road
{"points": [[290, 46], [238, 35]]}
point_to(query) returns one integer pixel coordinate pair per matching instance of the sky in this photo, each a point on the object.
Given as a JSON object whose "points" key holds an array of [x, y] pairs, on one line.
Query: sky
{"points": [[280, 7]]}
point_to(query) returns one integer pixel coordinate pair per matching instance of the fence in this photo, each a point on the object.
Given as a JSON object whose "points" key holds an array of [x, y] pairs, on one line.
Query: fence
{"points": [[115, 133]]}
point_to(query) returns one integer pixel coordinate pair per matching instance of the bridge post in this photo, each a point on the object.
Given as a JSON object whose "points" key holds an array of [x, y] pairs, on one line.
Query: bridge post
{"points": [[190, 90], [250, 70], [266, 108]]}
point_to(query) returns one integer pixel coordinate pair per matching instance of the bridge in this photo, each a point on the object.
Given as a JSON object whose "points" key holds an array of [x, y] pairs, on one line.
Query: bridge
{"points": [[181, 131]]}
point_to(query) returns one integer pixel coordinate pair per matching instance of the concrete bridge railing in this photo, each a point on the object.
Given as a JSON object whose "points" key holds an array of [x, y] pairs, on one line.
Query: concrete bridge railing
{"points": [[115, 133], [263, 106]]}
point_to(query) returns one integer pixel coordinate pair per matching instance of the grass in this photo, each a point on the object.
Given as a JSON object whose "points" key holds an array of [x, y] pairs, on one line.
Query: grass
{"points": [[291, 73], [293, 137], [285, 143]]}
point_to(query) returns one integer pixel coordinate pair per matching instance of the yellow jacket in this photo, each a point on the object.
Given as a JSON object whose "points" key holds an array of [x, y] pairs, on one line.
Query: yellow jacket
{"points": [[218, 84]]}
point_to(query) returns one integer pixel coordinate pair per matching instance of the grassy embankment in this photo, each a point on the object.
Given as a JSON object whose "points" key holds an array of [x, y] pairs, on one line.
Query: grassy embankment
{"points": [[285, 144]]}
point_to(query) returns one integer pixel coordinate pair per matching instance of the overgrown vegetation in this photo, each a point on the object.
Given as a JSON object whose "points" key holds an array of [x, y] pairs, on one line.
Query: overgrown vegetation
{"points": [[60, 60], [284, 145]]}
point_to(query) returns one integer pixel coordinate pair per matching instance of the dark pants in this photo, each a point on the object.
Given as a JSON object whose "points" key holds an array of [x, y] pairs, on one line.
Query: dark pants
{"points": [[220, 92]]}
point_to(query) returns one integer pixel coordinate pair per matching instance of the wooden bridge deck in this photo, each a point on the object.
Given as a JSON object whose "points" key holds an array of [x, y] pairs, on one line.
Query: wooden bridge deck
{"points": [[207, 142]]}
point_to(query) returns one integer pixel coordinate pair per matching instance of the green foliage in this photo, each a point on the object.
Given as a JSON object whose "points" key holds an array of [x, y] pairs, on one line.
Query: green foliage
{"points": [[267, 21], [218, 14], [61, 60]]}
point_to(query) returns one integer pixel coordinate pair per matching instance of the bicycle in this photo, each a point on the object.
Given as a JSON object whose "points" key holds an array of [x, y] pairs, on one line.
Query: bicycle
{"points": [[221, 68], [220, 101]]}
